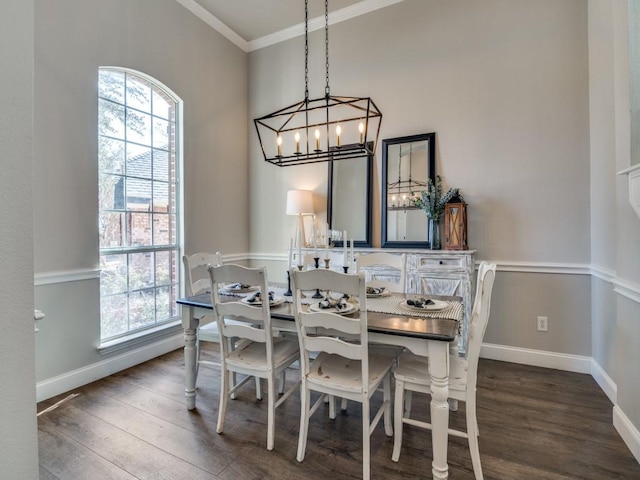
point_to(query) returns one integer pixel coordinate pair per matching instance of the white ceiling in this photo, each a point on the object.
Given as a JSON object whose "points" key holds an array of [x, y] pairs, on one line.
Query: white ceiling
{"points": [[253, 24]]}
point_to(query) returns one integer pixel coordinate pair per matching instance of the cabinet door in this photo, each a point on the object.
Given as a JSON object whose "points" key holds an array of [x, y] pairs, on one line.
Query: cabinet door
{"points": [[433, 284]]}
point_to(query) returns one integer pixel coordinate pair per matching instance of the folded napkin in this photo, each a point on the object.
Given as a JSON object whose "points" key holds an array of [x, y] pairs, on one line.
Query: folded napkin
{"points": [[257, 298], [339, 305], [420, 302]]}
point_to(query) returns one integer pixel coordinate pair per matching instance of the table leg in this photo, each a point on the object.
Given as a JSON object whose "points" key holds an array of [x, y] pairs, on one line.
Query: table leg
{"points": [[190, 325], [439, 373], [190, 368]]}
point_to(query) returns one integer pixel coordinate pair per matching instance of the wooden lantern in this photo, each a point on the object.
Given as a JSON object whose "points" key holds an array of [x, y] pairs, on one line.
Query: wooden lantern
{"points": [[455, 224]]}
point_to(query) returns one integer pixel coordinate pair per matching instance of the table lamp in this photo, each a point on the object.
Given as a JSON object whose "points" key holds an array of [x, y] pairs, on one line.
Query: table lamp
{"points": [[300, 202]]}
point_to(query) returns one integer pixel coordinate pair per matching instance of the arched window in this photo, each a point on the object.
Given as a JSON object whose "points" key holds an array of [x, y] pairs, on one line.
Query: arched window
{"points": [[138, 190]]}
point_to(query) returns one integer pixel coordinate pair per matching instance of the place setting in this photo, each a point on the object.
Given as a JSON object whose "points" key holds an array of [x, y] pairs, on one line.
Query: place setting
{"points": [[341, 305], [256, 299]]}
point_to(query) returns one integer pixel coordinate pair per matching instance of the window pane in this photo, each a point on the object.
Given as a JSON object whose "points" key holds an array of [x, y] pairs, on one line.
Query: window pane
{"points": [[141, 271], [138, 194], [111, 119], [162, 105], [113, 274], [161, 165], [163, 303], [111, 155], [111, 229], [139, 229], [138, 161], [138, 93], [138, 127], [111, 85], [141, 309], [113, 315], [164, 267], [160, 133], [161, 229], [160, 197], [110, 192]]}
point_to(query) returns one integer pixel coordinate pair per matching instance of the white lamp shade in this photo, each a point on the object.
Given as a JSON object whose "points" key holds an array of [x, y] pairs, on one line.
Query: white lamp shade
{"points": [[299, 202]]}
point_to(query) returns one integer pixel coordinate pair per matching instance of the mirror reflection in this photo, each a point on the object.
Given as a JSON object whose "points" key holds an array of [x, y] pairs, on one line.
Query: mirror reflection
{"points": [[349, 204], [407, 164]]}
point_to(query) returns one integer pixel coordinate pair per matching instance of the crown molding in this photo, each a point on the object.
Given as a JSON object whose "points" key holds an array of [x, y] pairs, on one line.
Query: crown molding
{"points": [[352, 11], [317, 23], [215, 23]]}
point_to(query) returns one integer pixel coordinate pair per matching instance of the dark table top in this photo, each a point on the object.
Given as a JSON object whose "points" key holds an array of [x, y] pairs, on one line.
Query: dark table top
{"points": [[442, 329]]}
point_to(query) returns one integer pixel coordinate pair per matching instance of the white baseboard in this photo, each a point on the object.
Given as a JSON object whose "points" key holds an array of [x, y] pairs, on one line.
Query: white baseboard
{"points": [[82, 376], [627, 431], [537, 358], [605, 382]]}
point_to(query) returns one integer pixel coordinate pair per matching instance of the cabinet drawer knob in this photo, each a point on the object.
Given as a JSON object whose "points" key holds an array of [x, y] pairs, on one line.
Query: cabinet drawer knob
{"points": [[441, 262]]}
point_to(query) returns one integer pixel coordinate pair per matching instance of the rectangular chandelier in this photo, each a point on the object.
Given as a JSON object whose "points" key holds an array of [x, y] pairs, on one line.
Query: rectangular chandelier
{"points": [[320, 130]]}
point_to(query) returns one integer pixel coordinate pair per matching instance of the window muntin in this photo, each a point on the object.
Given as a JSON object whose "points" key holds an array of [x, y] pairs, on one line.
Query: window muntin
{"points": [[138, 203]]}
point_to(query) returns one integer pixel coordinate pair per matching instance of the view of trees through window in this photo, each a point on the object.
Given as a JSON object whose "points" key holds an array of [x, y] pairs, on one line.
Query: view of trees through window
{"points": [[138, 215]]}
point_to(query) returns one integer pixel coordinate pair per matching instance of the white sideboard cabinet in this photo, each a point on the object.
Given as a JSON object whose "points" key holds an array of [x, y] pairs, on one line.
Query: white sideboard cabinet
{"points": [[435, 272]]}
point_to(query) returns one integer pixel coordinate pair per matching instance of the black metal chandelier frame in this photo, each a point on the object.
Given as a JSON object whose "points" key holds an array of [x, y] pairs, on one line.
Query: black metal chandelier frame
{"points": [[316, 117]]}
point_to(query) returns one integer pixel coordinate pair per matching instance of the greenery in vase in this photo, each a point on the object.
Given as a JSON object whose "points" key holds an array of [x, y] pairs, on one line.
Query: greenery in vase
{"points": [[432, 201]]}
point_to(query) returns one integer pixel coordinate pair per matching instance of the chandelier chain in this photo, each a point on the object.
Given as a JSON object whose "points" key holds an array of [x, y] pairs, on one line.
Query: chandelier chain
{"points": [[326, 44], [306, 50]]}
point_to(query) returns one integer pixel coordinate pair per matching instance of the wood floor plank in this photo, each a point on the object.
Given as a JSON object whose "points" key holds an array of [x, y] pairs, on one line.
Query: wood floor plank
{"points": [[122, 449], [535, 424]]}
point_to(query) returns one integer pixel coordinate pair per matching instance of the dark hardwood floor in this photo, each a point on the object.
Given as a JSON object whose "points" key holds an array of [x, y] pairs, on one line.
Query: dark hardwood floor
{"points": [[535, 423]]}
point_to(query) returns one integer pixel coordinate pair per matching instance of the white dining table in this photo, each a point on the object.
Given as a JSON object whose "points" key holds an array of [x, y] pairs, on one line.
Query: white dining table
{"points": [[430, 337]]}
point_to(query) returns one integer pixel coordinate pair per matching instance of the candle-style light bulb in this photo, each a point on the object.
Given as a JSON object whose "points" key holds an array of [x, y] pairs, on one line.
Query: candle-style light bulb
{"points": [[279, 142], [317, 140], [393, 200], [361, 129], [297, 136], [404, 199], [338, 132]]}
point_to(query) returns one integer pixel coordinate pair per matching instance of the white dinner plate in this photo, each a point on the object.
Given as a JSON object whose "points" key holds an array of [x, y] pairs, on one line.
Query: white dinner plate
{"points": [[315, 307], [277, 300], [437, 305], [229, 289]]}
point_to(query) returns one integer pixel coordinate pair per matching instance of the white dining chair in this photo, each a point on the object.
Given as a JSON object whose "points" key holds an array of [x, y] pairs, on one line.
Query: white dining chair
{"points": [[197, 282], [412, 375], [339, 368], [382, 269], [257, 353]]}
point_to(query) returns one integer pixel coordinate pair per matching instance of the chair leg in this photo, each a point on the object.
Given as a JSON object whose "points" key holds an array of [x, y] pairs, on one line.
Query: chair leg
{"points": [[304, 421], [399, 407], [366, 440], [258, 389], [332, 407], [407, 403], [472, 432], [388, 429], [343, 405], [282, 382], [271, 412], [224, 395]]}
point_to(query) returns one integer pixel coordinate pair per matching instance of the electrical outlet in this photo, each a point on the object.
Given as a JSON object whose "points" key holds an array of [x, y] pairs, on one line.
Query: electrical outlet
{"points": [[543, 325]]}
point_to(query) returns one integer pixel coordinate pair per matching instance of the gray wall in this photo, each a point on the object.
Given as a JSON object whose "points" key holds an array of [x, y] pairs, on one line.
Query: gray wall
{"points": [[164, 40], [615, 228], [504, 85], [18, 442]]}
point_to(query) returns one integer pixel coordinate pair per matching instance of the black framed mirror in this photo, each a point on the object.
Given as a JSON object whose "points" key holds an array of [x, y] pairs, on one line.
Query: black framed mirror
{"points": [[407, 164], [349, 198]]}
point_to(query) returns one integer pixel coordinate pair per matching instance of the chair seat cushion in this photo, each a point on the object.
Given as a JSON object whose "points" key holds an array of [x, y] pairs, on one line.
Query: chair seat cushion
{"points": [[334, 371], [415, 369], [254, 354]]}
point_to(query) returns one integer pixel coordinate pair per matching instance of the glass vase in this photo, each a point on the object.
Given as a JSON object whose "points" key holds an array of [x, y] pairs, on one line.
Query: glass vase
{"points": [[434, 234]]}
